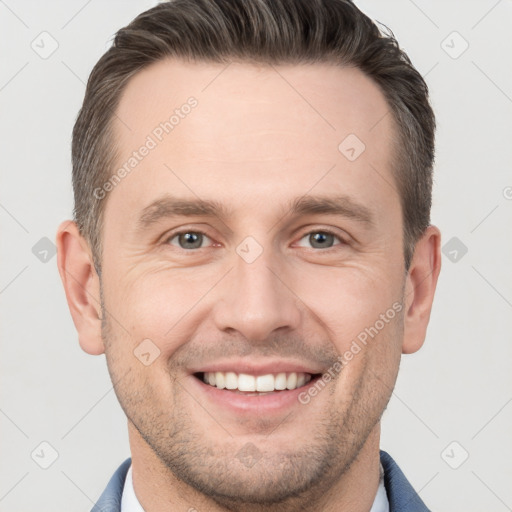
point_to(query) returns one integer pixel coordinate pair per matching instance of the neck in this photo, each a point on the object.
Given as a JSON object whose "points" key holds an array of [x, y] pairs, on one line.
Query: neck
{"points": [[158, 489]]}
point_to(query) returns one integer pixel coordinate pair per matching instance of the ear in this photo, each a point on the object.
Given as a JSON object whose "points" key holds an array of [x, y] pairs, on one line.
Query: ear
{"points": [[420, 287], [82, 286]]}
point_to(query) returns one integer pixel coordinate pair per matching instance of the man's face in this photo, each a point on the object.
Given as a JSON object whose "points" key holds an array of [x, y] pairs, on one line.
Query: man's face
{"points": [[260, 288]]}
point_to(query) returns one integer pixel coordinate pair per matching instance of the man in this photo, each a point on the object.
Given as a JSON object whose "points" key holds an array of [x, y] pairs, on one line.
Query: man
{"points": [[252, 251]]}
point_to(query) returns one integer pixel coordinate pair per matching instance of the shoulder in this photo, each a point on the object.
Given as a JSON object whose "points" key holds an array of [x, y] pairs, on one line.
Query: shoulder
{"points": [[110, 500], [401, 495]]}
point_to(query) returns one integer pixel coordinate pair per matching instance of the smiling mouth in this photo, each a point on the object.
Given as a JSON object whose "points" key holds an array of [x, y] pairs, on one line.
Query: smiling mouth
{"points": [[256, 385]]}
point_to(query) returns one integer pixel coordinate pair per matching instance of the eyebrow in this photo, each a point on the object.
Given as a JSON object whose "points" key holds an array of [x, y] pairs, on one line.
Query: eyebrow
{"points": [[169, 207], [342, 205]]}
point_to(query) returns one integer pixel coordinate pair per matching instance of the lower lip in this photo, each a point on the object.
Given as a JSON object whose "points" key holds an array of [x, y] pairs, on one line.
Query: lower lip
{"points": [[276, 401]]}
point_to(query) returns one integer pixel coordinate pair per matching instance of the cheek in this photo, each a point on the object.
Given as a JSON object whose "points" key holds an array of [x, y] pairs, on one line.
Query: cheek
{"points": [[158, 305], [361, 310], [352, 300], [371, 360]]}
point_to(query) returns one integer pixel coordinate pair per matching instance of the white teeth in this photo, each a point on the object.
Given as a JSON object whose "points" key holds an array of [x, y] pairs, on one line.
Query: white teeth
{"points": [[220, 380], [246, 382], [280, 381], [291, 381], [231, 380], [262, 383], [265, 383]]}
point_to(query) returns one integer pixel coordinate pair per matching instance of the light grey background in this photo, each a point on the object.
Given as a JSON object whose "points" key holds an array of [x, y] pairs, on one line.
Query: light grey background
{"points": [[458, 388]]}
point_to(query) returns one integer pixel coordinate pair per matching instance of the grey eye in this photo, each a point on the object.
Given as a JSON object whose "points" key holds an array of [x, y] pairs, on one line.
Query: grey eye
{"points": [[320, 239], [188, 239]]}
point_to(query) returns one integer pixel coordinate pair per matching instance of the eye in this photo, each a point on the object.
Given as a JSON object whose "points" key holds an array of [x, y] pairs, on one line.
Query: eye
{"points": [[321, 239], [188, 239]]}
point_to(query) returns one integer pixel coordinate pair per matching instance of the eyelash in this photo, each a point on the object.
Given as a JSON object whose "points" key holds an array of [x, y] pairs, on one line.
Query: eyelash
{"points": [[323, 231]]}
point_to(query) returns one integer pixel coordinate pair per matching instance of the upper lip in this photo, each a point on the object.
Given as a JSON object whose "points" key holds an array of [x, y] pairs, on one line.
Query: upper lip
{"points": [[256, 368]]}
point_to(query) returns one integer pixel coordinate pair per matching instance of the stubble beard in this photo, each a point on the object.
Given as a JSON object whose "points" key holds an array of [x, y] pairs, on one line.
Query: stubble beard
{"points": [[278, 481]]}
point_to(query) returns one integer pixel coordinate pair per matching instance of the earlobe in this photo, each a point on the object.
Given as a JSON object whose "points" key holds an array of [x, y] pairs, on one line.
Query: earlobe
{"points": [[82, 286], [420, 289]]}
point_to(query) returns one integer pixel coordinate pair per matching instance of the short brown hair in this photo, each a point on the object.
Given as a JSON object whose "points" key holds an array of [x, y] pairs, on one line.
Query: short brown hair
{"points": [[262, 31]]}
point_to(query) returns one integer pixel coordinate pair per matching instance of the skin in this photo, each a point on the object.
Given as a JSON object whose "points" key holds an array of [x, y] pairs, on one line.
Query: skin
{"points": [[258, 138]]}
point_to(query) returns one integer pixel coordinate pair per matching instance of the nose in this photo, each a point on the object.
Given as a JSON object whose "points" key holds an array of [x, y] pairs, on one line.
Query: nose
{"points": [[257, 299]]}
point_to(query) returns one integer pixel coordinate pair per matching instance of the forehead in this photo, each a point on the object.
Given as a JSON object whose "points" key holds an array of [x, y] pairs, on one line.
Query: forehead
{"points": [[244, 126]]}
